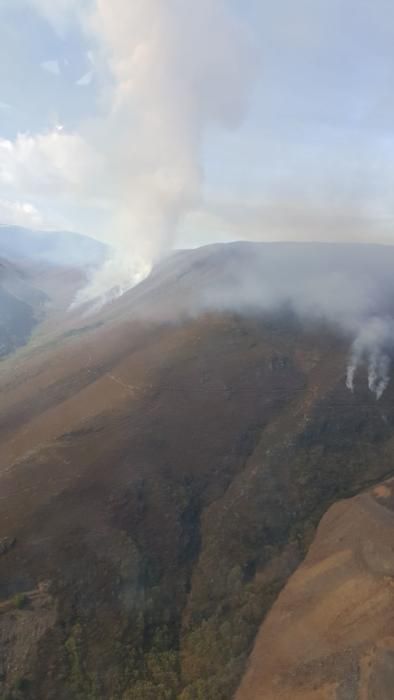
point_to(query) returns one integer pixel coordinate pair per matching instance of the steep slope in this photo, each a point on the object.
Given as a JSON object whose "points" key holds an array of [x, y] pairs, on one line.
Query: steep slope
{"points": [[34, 298], [21, 306], [40, 274], [160, 480], [330, 634]]}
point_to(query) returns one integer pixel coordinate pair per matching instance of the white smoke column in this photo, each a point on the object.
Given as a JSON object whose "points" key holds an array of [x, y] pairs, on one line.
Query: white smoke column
{"points": [[179, 67], [369, 349], [351, 371], [378, 373], [112, 280]]}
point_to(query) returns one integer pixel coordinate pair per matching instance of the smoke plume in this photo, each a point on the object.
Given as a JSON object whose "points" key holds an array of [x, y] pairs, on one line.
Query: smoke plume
{"points": [[350, 287], [178, 68], [370, 347]]}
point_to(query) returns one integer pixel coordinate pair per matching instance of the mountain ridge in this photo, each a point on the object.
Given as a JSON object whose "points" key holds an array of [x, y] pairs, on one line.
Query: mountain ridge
{"points": [[161, 480], [55, 248]]}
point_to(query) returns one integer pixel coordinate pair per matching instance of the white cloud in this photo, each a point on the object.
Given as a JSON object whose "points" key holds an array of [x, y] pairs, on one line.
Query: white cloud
{"points": [[51, 66], [55, 162], [16, 213], [85, 79]]}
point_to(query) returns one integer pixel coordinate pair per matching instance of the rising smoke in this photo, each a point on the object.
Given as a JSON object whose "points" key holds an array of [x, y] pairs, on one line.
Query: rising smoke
{"points": [[370, 348], [174, 69], [178, 68], [348, 286]]}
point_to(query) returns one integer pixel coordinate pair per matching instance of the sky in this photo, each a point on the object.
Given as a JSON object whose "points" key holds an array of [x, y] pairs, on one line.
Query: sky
{"points": [[154, 124]]}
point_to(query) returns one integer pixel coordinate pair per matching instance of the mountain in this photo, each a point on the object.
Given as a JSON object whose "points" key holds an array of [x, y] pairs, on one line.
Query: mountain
{"points": [[22, 305], [40, 274], [59, 248], [330, 633], [31, 297], [165, 464]]}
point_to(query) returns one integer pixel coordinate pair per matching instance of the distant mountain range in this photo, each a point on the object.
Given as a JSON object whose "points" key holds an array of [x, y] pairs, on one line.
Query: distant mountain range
{"points": [[39, 274], [56, 248]]}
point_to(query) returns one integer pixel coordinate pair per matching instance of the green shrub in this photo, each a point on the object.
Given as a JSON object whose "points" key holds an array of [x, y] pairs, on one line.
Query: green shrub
{"points": [[20, 600]]}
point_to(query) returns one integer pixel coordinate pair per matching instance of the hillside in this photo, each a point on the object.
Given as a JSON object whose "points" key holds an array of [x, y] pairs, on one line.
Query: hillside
{"points": [[331, 631], [21, 307], [40, 274], [33, 298], [164, 464]]}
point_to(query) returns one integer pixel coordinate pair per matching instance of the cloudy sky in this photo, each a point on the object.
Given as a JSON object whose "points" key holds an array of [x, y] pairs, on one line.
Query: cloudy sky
{"points": [[156, 123]]}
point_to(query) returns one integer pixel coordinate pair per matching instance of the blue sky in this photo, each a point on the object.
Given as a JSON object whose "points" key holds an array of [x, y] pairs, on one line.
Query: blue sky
{"points": [[154, 124], [37, 97]]}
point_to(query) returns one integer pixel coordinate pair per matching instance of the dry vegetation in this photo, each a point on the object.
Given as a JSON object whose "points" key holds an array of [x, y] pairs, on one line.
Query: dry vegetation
{"points": [[166, 480]]}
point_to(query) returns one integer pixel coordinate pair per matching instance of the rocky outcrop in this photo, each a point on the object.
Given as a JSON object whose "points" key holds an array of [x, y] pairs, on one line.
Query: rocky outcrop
{"points": [[330, 634]]}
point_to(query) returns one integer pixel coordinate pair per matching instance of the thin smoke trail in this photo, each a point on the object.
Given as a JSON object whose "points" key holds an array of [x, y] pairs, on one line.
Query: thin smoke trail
{"points": [[370, 350]]}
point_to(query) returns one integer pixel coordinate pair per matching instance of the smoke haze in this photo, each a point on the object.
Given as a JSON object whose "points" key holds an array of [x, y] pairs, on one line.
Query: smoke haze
{"points": [[156, 157], [348, 286], [200, 122], [177, 69]]}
